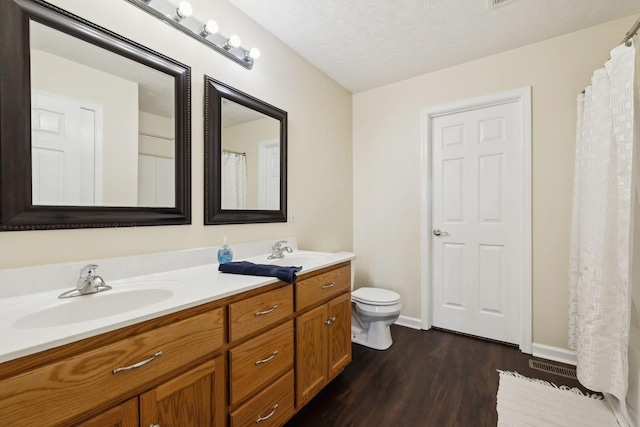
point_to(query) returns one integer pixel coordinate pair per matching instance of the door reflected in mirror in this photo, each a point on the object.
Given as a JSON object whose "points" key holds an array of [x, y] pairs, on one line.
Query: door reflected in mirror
{"points": [[250, 159], [102, 126]]}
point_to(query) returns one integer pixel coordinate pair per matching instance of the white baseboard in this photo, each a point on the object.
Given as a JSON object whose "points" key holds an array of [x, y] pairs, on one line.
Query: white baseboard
{"points": [[556, 354], [409, 322]]}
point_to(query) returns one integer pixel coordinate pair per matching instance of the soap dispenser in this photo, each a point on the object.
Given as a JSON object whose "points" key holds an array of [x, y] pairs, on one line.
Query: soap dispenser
{"points": [[225, 254]]}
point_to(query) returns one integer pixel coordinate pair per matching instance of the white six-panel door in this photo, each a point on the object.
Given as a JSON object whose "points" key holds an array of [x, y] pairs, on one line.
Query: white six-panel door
{"points": [[476, 221], [64, 154]]}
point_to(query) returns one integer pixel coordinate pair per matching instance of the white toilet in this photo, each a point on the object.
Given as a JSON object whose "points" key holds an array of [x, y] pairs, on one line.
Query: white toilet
{"points": [[373, 310]]}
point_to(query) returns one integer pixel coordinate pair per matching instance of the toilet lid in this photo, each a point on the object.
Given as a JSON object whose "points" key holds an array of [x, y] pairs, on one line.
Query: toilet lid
{"points": [[375, 296]]}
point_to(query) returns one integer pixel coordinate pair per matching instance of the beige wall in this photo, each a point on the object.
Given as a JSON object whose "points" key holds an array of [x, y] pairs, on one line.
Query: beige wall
{"points": [[386, 150], [320, 152]]}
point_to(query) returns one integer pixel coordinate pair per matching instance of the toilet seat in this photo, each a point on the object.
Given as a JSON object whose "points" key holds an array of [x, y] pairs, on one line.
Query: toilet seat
{"points": [[375, 296]]}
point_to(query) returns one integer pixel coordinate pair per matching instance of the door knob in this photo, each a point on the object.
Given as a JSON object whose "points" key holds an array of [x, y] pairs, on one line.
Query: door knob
{"points": [[437, 232]]}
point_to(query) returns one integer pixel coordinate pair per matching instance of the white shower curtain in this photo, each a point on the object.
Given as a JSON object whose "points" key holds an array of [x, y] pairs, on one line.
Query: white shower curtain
{"points": [[234, 181], [599, 263]]}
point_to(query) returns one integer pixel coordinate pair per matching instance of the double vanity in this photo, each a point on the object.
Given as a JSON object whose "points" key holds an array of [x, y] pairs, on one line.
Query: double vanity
{"points": [[187, 346]]}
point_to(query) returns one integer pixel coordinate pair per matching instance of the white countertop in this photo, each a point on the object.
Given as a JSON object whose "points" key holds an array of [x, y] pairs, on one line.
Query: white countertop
{"points": [[195, 285]]}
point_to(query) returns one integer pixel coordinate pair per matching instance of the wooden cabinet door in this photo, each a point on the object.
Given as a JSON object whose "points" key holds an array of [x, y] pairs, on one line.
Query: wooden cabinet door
{"points": [[311, 353], [125, 415], [194, 399], [339, 351]]}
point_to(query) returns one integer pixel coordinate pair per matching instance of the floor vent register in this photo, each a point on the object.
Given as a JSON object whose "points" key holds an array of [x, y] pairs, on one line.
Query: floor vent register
{"points": [[554, 369]]}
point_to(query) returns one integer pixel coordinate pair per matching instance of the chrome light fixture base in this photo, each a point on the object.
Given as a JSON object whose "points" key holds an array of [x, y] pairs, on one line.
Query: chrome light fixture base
{"points": [[166, 11]]}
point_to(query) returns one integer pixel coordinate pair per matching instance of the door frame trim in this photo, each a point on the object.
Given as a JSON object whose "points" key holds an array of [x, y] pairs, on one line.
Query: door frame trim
{"points": [[522, 97]]}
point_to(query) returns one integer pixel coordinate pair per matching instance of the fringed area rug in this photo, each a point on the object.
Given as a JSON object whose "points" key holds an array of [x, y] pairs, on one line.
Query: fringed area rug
{"points": [[526, 401]]}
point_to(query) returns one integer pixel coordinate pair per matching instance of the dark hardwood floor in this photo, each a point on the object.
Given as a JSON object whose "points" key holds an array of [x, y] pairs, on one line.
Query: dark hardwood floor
{"points": [[427, 378]]}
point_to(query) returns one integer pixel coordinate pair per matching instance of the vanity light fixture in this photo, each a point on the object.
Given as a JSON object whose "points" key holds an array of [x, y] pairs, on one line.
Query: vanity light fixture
{"points": [[181, 18]]}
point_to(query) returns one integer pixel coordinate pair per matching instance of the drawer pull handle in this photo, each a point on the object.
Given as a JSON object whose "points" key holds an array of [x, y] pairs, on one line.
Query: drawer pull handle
{"points": [[260, 313], [154, 425], [266, 417], [330, 285], [330, 321], [137, 365], [268, 359]]}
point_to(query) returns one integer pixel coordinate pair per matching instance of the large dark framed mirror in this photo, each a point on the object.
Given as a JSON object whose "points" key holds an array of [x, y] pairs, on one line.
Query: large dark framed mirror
{"points": [[94, 128], [245, 158]]}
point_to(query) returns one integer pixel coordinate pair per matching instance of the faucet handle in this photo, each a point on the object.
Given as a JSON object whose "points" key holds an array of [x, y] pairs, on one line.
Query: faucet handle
{"points": [[98, 282], [279, 244], [88, 271]]}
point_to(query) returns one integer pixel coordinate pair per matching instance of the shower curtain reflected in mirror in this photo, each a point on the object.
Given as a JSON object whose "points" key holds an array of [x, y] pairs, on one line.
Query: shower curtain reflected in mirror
{"points": [[234, 180]]}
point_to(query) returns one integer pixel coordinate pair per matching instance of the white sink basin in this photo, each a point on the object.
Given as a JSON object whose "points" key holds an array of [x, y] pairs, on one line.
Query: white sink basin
{"points": [[124, 297], [297, 259]]}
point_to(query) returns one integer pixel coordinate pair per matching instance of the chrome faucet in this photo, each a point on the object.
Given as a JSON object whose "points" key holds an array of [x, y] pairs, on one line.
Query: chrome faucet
{"points": [[88, 283], [278, 250]]}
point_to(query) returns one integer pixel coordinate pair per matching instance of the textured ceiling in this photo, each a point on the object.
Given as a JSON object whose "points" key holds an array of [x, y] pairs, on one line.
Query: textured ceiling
{"points": [[371, 43]]}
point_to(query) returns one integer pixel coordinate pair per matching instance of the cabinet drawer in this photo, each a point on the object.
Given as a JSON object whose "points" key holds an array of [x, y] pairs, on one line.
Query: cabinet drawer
{"points": [[322, 287], [271, 407], [258, 361], [256, 313], [53, 393]]}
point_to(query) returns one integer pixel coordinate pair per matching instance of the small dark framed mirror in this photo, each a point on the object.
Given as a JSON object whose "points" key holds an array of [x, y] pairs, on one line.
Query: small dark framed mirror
{"points": [[94, 128], [245, 158]]}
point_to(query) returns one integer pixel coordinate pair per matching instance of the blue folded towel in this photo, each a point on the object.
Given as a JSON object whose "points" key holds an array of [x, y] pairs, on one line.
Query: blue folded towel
{"points": [[286, 274]]}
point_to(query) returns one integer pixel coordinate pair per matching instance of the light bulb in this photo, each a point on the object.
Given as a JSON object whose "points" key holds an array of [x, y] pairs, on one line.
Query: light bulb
{"points": [[211, 27], [233, 41], [184, 10], [254, 53]]}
